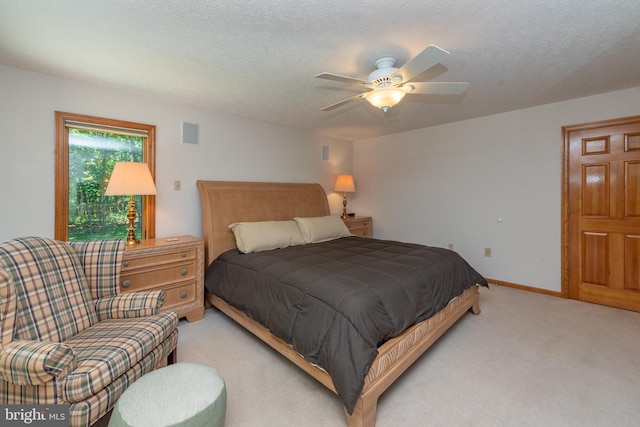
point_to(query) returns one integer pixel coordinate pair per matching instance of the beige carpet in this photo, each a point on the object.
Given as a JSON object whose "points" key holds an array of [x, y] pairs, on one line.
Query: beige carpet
{"points": [[526, 360]]}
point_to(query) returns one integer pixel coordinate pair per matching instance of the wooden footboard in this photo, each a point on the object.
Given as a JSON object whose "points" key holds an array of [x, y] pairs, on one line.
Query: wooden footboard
{"points": [[394, 356]]}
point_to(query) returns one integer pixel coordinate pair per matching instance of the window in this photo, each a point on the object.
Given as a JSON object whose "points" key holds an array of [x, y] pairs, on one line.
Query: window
{"points": [[87, 148]]}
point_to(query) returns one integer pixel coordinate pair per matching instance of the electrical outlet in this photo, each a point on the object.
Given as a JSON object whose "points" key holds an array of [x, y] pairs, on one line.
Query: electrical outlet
{"points": [[450, 246], [487, 252], [176, 185]]}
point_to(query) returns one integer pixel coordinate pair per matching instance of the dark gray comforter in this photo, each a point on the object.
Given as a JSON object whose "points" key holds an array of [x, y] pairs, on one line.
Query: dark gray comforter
{"points": [[336, 301]]}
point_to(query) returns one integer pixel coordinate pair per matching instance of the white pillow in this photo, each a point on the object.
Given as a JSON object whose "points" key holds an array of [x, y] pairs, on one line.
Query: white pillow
{"points": [[322, 228], [266, 235]]}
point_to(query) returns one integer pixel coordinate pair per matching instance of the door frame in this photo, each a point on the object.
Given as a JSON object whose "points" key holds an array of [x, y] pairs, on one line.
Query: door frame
{"points": [[565, 288]]}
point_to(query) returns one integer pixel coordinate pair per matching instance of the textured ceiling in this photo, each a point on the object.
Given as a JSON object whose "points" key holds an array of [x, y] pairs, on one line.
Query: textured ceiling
{"points": [[257, 58]]}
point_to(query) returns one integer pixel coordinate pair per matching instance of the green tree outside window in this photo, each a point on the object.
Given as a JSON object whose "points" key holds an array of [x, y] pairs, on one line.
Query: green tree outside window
{"points": [[92, 156]]}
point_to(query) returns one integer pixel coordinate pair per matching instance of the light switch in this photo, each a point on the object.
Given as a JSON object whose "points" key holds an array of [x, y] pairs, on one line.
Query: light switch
{"points": [[176, 185]]}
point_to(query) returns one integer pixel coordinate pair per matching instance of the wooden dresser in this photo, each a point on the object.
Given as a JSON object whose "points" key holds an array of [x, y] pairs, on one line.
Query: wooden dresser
{"points": [[175, 264], [360, 225]]}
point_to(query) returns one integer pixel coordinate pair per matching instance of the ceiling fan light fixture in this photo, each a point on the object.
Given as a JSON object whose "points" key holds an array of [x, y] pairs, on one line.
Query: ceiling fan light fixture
{"points": [[385, 98], [387, 84]]}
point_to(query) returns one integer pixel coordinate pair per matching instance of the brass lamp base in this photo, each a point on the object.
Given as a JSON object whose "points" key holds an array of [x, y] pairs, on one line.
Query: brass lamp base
{"points": [[344, 206], [131, 230]]}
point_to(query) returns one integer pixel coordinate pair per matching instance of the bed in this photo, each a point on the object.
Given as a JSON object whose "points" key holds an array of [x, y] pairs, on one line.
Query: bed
{"points": [[224, 203]]}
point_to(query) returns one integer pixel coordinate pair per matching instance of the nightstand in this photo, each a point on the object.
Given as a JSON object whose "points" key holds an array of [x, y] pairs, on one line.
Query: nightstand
{"points": [[360, 225], [175, 264]]}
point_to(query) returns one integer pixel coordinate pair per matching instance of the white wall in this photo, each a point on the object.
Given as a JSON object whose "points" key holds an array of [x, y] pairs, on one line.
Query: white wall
{"points": [[451, 184], [230, 148]]}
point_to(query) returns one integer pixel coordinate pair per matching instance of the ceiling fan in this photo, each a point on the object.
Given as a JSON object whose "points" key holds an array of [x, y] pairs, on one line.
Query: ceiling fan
{"points": [[387, 85]]}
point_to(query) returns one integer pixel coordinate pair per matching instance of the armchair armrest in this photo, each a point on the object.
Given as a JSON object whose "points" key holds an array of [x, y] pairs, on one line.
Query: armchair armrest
{"points": [[128, 305], [35, 362]]}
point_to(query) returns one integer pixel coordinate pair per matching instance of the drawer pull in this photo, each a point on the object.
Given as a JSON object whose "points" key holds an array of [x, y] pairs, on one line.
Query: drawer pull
{"points": [[126, 263], [183, 272], [183, 294], [183, 254], [126, 283]]}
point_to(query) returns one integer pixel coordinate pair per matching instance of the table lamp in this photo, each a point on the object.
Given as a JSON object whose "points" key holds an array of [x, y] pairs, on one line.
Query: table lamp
{"points": [[131, 179], [344, 185]]}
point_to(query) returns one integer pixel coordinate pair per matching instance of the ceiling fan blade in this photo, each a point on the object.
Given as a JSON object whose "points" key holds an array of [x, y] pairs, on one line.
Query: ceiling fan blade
{"points": [[343, 102], [340, 78], [426, 59], [438, 88]]}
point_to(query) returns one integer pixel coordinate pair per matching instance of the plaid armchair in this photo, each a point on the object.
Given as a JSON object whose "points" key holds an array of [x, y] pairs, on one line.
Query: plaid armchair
{"points": [[66, 336]]}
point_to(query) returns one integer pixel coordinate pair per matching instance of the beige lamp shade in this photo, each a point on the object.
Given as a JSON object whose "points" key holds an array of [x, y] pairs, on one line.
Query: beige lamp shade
{"points": [[344, 184], [130, 178]]}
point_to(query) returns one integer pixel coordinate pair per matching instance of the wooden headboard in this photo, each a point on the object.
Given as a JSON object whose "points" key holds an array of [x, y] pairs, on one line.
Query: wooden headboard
{"points": [[226, 202]]}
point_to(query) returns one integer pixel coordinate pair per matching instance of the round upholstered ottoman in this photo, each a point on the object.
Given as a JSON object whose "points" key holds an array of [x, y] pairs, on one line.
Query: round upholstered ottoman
{"points": [[182, 394]]}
